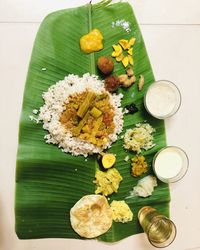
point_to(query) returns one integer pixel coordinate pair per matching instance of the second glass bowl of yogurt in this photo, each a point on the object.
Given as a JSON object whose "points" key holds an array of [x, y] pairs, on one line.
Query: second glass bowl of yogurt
{"points": [[162, 99], [170, 164]]}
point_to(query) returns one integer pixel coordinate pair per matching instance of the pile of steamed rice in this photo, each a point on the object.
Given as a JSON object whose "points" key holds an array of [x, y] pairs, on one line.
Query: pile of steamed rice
{"points": [[55, 99]]}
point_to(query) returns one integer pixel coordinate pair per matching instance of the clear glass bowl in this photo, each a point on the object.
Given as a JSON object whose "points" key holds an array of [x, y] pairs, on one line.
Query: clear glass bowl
{"points": [[152, 90], [182, 170], [160, 230]]}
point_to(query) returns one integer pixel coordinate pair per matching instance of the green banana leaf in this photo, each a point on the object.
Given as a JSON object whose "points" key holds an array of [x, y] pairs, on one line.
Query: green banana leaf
{"points": [[48, 181]]}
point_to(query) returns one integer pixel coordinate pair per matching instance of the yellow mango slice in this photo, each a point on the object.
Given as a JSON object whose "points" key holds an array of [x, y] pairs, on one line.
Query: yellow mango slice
{"points": [[131, 42], [124, 43], [130, 59], [117, 50], [120, 58], [92, 41], [125, 61], [130, 51]]}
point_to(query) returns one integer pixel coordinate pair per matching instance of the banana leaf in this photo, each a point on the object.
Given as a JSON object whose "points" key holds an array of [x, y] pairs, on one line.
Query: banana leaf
{"points": [[48, 181]]}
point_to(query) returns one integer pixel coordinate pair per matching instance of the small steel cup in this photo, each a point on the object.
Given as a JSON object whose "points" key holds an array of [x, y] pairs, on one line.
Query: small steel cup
{"points": [[160, 230]]}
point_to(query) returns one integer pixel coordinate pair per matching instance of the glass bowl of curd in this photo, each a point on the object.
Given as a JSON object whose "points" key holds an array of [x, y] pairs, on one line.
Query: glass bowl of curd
{"points": [[170, 164], [162, 99]]}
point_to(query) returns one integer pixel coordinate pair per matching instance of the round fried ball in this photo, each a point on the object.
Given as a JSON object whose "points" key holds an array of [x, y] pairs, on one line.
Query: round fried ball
{"points": [[111, 83], [105, 65]]}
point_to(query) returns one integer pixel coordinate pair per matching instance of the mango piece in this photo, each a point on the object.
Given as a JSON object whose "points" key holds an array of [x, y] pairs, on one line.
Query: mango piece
{"points": [[130, 59], [92, 41], [120, 58], [117, 50], [124, 43], [131, 42], [130, 51], [125, 61]]}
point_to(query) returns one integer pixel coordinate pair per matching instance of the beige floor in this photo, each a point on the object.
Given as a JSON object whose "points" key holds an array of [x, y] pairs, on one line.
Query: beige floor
{"points": [[171, 30]]}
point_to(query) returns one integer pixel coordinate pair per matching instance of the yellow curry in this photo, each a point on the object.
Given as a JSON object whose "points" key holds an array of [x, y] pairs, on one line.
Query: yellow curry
{"points": [[89, 116]]}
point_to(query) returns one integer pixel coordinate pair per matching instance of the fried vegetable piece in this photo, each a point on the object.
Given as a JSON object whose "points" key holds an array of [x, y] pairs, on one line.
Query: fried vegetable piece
{"points": [[129, 82], [95, 112], [105, 65], [139, 166], [127, 79], [111, 83], [86, 104], [108, 160], [77, 129], [140, 82], [97, 124], [130, 72]]}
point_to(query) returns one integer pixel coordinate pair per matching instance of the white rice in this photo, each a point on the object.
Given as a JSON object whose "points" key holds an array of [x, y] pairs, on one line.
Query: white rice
{"points": [[50, 113]]}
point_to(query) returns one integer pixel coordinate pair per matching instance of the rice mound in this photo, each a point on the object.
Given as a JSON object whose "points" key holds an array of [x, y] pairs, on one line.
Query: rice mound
{"points": [[50, 113]]}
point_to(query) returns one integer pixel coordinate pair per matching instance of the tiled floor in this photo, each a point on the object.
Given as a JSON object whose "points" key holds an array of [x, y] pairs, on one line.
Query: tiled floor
{"points": [[171, 30]]}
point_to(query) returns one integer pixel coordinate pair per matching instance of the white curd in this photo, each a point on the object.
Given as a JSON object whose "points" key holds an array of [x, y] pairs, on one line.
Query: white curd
{"points": [[162, 99], [170, 164]]}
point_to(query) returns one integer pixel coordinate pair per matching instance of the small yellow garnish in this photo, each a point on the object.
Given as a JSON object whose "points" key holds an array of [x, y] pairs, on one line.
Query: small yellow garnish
{"points": [[107, 182], [119, 49], [121, 211], [120, 58], [130, 59], [131, 42], [124, 43], [125, 61], [92, 41], [130, 51]]}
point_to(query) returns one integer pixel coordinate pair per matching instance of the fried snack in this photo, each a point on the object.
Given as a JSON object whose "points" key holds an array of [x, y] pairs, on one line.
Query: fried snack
{"points": [[105, 65], [111, 83], [91, 216]]}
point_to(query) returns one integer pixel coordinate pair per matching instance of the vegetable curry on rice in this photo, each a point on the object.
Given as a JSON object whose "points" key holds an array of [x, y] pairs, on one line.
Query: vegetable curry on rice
{"points": [[89, 116]]}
